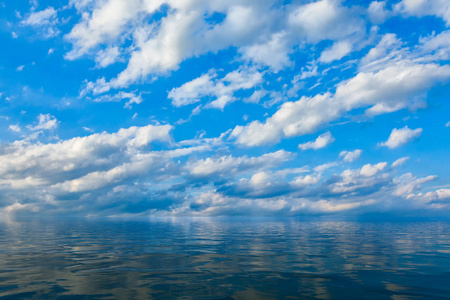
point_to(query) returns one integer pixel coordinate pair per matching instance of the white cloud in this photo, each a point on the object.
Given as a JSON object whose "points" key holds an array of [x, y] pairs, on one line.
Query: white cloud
{"points": [[400, 161], [377, 12], [408, 184], [107, 57], [274, 53], [441, 194], [192, 91], [391, 50], [20, 68], [334, 206], [104, 23], [40, 17], [165, 50], [292, 119], [364, 180], [337, 51], [229, 165], [391, 78], [256, 96], [325, 166], [393, 88], [130, 96], [363, 190], [447, 124], [45, 122], [370, 170], [434, 47], [350, 156], [100, 86], [266, 184], [306, 180], [108, 173], [14, 128], [387, 51], [47, 164], [309, 71], [252, 27], [401, 136], [323, 20], [421, 8], [81, 5], [220, 90], [322, 141], [45, 21]]}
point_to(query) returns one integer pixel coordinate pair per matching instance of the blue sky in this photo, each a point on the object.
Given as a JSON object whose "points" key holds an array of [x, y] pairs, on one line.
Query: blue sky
{"points": [[213, 107]]}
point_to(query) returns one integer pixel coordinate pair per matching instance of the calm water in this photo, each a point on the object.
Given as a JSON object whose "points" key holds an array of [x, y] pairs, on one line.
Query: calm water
{"points": [[224, 259]]}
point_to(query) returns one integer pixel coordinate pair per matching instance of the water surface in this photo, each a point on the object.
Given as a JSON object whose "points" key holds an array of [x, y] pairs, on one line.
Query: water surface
{"points": [[232, 258]]}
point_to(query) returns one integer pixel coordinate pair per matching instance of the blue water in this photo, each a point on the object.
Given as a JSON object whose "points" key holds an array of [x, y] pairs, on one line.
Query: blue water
{"points": [[223, 259]]}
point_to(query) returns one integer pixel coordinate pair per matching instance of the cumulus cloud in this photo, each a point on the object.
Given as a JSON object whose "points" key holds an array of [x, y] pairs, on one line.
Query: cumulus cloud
{"points": [[400, 161], [220, 90], [360, 181], [437, 196], [273, 53], [434, 47], [391, 78], [268, 193], [259, 185], [45, 21], [367, 189], [266, 184], [106, 21], [192, 91], [227, 165], [15, 128], [377, 12], [107, 57], [322, 141], [326, 166], [401, 136], [370, 170], [62, 160], [185, 30], [388, 50], [292, 119], [350, 156], [88, 169], [45, 122], [336, 52], [143, 171], [325, 20], [408, 184], [117, 173], [421, 8], [390, 89], [131, 97]]}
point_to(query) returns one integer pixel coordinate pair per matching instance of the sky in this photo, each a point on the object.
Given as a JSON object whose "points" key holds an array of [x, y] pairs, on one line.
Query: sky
{"points": [[131, 108]]}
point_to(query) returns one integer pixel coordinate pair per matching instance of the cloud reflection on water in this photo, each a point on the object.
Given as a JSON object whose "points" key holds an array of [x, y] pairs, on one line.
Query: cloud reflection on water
{"points": [[237, 258]]}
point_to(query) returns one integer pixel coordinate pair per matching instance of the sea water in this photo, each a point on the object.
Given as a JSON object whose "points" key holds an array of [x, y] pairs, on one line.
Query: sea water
{"points": [[223, 258]]}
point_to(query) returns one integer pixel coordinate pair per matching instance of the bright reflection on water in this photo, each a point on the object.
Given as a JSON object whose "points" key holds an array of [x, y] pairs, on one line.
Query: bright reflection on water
{"points": [[224, 259]]}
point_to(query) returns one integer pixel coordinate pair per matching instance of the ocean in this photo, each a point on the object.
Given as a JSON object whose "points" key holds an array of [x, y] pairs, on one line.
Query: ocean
{"points": [[223, 258]]}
